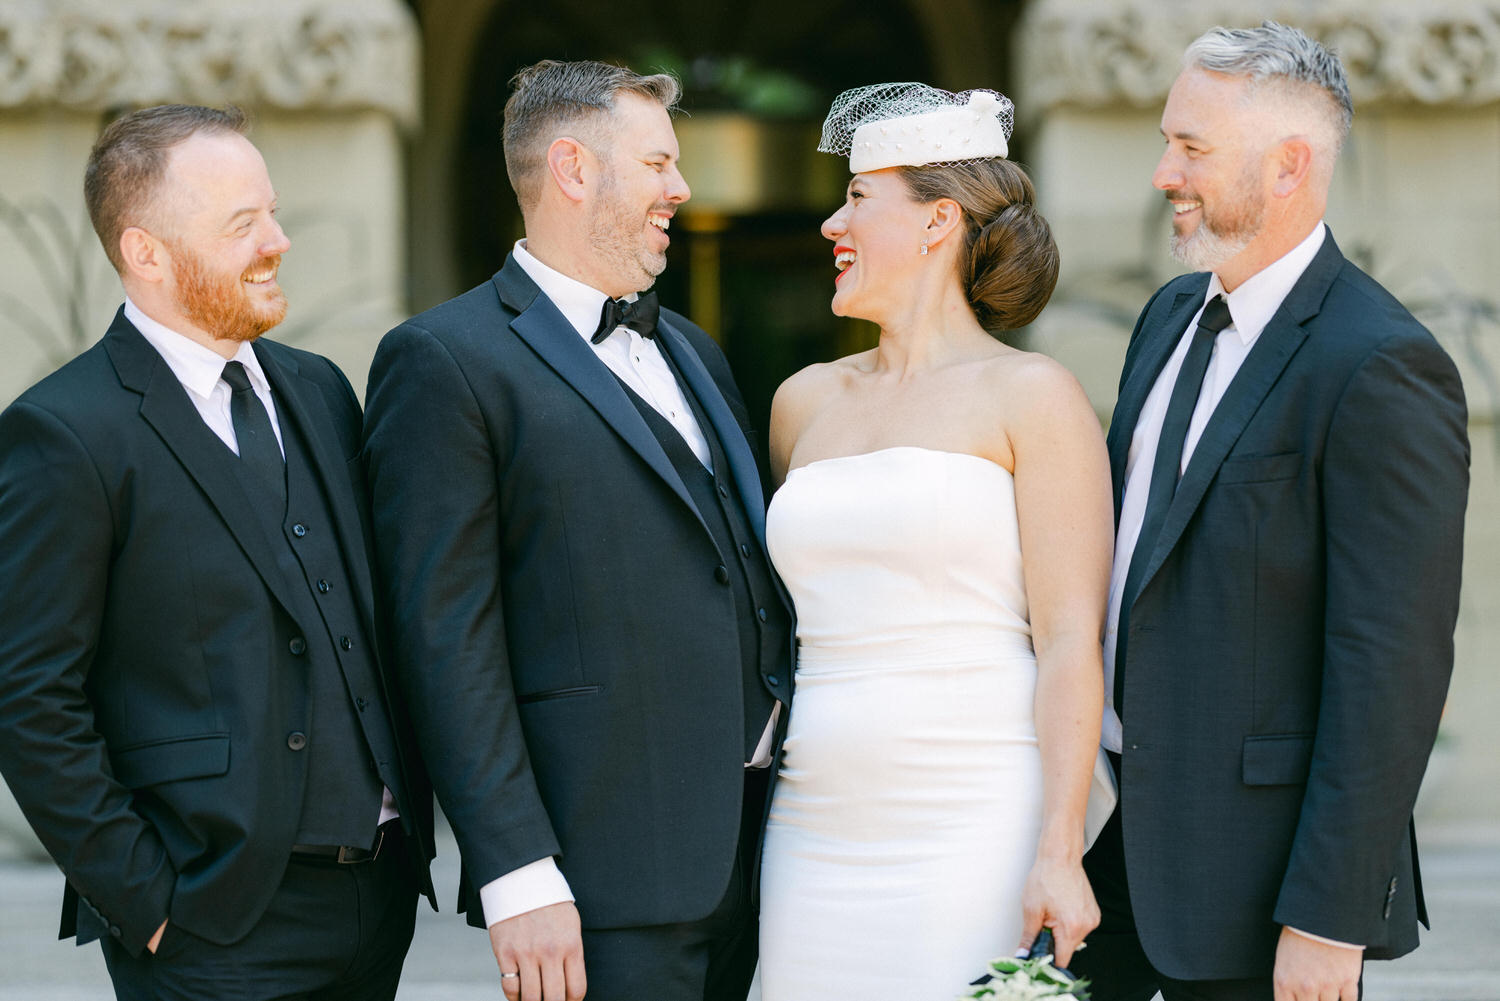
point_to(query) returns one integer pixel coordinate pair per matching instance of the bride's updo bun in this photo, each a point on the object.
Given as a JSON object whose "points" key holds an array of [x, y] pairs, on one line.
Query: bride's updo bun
{"points": [[1008, 263]]}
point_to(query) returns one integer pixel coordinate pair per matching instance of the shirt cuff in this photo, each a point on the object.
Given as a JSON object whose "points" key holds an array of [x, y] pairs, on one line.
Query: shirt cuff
{"points": [[537, 884], [762, 756], [1325, 941]]}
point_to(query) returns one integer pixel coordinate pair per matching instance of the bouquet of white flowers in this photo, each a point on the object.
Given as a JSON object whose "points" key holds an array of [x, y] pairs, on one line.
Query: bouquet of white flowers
{"points": [[1029, 978]]}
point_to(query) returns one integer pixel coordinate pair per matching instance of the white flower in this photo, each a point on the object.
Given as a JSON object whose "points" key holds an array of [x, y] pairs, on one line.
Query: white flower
{"points": [[1026, 980]]}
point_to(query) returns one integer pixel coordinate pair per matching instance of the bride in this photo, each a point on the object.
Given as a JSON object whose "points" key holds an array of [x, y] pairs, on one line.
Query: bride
{"points": [[944, 527]]}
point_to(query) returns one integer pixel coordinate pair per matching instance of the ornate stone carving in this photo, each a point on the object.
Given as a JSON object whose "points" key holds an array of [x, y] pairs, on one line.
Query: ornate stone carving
{"points": [[290, 54], [1091, 54]]}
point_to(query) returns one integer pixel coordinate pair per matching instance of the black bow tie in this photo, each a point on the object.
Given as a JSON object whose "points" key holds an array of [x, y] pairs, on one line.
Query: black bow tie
{"points": [[639, 316]]}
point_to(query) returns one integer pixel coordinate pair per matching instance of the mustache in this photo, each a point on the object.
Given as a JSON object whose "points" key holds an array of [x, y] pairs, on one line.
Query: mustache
{"points": [[273, 263]]}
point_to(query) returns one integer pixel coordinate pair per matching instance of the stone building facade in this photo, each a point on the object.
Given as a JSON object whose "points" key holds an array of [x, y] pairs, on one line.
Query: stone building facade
{"points": [[379, 120]]}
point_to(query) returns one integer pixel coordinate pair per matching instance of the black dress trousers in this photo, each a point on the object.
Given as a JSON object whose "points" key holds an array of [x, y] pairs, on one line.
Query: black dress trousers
{"points": [[331, 933]]}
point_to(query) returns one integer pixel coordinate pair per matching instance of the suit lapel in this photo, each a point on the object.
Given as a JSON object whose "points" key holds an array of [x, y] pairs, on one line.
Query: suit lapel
{"points": [[731, 436], [1251, 385], [166, 407], [1259, 372], [301, 409], [543, 327], [1158, 341]]}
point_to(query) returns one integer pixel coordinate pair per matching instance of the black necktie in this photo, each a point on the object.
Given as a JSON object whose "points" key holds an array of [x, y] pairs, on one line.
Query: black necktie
{"points": [[1164, 470], [252, 430], [639, 316]]}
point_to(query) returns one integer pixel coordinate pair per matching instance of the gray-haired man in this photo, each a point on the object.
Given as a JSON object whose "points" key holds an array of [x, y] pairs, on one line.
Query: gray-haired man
{"points": [[1291, 466]]}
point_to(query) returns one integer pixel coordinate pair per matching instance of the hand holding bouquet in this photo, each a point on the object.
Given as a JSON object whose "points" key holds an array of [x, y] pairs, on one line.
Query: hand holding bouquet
{"points": [[1028, 978]]}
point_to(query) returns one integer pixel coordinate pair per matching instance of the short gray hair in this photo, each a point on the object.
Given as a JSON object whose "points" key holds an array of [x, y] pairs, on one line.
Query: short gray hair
{"points": [[1277, 54], [553, 98]]}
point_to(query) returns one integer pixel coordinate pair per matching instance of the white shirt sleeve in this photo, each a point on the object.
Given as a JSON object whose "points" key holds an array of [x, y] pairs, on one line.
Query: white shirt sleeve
{"points": [[536, 884], [1320, 938]]}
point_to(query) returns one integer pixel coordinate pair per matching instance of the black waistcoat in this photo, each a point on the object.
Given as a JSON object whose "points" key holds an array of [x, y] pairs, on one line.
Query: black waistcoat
{"points": [[347, 729], [764, 626]]}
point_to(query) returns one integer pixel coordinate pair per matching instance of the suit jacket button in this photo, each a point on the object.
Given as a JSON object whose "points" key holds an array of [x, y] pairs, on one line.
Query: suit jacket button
{"points": [[760, 613], [298, 646], [299, 530], [744, 550], [723, 490], [346, 643], [296, 740], [721, 574], [115, 931], [322, 586], [773, 681]]}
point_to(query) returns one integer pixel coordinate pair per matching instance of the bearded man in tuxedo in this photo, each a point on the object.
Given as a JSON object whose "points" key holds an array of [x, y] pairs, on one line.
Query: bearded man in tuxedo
{"points": [[1290, 460], [570, 530]]}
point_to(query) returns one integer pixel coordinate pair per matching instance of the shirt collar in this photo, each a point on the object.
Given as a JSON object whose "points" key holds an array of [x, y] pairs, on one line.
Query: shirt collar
{"points": [[197, 367], [1252, 305], [581, 305]]}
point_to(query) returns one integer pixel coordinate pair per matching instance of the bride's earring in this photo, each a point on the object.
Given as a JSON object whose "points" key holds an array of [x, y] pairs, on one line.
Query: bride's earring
{"points": [[923, 251]]}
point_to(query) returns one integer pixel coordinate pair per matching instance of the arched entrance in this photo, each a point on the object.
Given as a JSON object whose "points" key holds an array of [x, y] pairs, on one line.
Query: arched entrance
{"points": [[747, 261]]}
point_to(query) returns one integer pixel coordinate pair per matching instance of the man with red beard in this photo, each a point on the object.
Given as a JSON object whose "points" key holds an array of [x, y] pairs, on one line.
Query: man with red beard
{"points": [[569, 525], [1290, 457], [196, 722]]}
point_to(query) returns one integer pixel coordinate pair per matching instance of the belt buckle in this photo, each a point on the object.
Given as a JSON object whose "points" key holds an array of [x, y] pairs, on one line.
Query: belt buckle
{"points": [[353, 854]]}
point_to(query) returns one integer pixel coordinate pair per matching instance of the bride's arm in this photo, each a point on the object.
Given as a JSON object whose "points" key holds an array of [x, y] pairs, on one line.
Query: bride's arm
{"points": [[1066, 516]]}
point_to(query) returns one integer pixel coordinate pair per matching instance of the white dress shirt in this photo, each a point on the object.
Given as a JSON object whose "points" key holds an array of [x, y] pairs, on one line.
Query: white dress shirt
{"points": [[200, 369], [1251, 307], [635, 359]]}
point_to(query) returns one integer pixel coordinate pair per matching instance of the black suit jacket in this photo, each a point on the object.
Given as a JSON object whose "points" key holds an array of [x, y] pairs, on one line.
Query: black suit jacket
{"points": [[1290, 649], [147, 688], [571, 662]]}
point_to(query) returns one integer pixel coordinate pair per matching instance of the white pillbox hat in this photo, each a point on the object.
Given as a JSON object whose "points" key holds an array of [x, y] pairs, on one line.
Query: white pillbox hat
{"points": [[914, 125]]}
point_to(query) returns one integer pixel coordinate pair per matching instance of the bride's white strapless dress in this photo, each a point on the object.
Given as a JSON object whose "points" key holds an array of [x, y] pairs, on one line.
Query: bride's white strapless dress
{"points": [[908, 807]]}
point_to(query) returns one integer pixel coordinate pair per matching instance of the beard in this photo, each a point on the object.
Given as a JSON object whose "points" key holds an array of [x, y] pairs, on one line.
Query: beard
{"points": [[220, 305], [616, 234], [1223, 233]]}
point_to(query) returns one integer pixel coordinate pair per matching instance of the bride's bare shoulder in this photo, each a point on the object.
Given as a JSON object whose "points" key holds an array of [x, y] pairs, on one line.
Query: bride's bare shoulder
{"points": [[1042, 403], [815, 383], [1032, 379], [799, 400]]}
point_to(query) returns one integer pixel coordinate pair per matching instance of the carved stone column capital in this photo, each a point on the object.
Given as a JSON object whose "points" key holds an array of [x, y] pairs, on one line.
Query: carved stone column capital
{"points": [[323, 55], [1126, 53]]}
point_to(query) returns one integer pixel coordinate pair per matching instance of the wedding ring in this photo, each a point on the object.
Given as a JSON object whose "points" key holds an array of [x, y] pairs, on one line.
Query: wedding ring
{"points": [[507, 976]]}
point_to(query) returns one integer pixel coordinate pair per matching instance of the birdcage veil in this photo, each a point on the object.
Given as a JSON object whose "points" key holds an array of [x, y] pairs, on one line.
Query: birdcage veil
{"points": [[913, 124]]}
